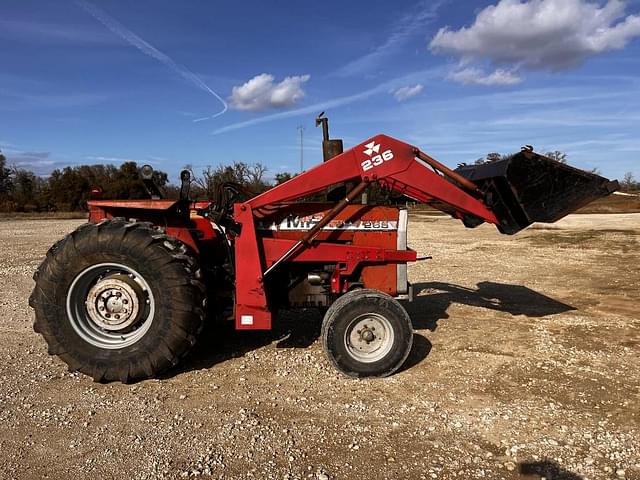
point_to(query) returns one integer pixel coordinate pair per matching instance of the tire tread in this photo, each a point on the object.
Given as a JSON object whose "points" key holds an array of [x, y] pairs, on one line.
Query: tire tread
{"points": [[175, 264]]}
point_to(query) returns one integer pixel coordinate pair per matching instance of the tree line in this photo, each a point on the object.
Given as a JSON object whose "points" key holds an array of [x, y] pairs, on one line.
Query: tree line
{"points": [[68, 189]]}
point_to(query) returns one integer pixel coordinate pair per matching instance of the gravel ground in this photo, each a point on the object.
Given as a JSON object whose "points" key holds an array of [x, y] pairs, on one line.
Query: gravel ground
{"points": [[525, 365]]}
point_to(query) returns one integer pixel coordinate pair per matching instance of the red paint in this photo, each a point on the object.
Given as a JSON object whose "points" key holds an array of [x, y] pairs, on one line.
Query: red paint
{"points": [[372, 253], [251, 300], [187, 227]]}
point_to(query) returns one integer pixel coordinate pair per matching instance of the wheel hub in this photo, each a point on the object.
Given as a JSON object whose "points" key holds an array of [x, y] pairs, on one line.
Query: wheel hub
{"points": [[113, 303], [369, 336]]}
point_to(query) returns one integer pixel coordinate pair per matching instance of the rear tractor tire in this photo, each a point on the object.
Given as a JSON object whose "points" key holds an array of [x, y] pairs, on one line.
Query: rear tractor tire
{"points": [[119, 300], [367, 333]]}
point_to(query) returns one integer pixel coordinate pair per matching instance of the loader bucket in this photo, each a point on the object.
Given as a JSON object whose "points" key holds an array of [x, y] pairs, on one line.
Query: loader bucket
{"points": [[529, 187]]}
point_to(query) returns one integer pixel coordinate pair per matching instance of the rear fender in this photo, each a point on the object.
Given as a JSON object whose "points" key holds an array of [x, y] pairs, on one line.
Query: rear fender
{"points": [[175, 217]]}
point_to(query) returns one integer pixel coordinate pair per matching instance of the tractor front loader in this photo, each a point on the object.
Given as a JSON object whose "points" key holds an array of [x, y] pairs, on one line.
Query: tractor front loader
{"points": [[125, 296]]}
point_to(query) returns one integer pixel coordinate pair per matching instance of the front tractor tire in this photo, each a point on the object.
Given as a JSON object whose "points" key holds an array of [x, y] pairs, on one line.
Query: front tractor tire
{"points": [[118, 300], [367, 333]]}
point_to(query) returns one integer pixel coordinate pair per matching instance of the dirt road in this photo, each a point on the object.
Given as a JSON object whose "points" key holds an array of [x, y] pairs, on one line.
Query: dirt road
{"points": [[525, 364]]}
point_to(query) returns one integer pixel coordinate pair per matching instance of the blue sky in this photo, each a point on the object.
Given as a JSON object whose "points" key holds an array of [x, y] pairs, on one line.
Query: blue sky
{"points": [[110, 81]]}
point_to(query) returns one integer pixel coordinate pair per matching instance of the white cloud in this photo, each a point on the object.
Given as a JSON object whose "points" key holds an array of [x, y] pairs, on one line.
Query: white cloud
{"points": [[260, 93], [404, 93], [477, 76], [540, 34]]}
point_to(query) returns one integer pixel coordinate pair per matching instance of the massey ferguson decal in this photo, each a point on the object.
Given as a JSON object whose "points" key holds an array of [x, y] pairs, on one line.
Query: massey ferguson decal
{"points": [[375, 160], [307, 222]]}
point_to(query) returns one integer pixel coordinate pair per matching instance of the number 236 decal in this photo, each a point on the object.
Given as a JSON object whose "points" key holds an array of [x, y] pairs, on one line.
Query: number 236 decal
{"points": [[377, 160]]}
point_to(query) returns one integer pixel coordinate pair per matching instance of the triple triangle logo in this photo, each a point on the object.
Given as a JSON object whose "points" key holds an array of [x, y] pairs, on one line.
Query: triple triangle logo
{"points": [[372, 147]]}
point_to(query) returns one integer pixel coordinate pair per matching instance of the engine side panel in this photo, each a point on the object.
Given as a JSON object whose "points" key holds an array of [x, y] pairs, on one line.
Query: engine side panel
{"points": [[357, 225]]}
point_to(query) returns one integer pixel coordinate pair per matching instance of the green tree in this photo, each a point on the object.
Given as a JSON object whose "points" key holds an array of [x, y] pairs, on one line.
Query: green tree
{"points": [[68, 190], [283, 177], [5, 176], [24, 189]]}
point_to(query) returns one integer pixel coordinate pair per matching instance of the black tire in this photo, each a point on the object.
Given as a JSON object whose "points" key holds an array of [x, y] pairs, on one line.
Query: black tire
{"points": [[170, 300], [345, 343]]}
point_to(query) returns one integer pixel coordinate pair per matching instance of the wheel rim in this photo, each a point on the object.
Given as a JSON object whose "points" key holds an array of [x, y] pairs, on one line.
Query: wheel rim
{"points": [[110, 305], [369, 337]]}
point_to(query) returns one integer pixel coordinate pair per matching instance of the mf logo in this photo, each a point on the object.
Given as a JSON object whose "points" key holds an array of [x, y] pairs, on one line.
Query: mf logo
{"points": [[377, 159], [372, 147]]}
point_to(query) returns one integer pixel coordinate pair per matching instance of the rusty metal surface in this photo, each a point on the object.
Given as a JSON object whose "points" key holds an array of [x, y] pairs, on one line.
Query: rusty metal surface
{"points": [[331, 148]]}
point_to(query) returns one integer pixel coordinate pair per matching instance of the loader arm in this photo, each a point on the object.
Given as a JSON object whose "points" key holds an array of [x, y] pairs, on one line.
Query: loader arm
{"points": [[389, 162], [380, 159], [511, 193]]}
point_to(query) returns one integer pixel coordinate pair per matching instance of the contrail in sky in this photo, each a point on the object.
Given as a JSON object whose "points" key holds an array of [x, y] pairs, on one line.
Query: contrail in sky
{"points": [[130, 37]]}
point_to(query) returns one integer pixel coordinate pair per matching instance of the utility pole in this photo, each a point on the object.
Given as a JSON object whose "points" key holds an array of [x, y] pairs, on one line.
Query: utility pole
{"points": [[301, 130]]}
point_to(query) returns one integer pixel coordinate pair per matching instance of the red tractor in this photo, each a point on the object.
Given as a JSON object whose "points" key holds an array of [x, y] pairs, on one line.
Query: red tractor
{"points": [[125, 296]]}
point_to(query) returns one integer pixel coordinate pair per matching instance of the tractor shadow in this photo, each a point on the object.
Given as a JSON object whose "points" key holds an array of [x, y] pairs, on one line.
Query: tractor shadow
{"points": [[432, 300], [219, 342], [546, 469]]}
